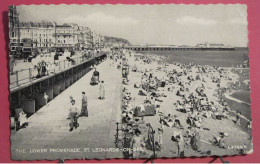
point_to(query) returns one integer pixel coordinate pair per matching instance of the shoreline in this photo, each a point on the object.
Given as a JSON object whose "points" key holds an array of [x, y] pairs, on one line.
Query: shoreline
{"points": [[230, 97]]}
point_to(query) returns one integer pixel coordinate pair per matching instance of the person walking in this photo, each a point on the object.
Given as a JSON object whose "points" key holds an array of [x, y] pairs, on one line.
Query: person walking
{"points": [[73, 112], [71, 98], [160, 137], [84, 106], [180, 145], [102, 91], [195, 141], [137, 144], [178, 138]]}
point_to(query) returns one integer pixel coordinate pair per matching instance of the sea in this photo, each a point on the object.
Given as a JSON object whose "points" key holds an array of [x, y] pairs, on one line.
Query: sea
{"points": [[227, 58]]}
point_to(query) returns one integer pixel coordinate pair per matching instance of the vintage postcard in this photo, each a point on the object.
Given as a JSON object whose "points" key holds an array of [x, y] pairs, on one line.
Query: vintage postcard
{"points": [[129, 81]]}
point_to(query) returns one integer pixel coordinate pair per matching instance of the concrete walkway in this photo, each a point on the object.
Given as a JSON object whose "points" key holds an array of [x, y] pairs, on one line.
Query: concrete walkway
{"points": [[49, 129]]}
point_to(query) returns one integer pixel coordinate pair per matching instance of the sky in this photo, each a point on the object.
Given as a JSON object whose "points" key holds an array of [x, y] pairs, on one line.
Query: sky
{"points": [[152, 24]]}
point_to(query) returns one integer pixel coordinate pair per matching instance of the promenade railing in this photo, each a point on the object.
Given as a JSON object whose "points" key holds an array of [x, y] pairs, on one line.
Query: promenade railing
{"points": [[24, 76]]}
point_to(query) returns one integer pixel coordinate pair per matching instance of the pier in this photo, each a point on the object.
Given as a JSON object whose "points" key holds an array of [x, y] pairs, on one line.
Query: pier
{"points": [[173, 48]]}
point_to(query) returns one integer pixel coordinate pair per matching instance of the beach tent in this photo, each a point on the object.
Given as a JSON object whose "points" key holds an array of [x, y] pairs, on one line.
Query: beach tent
{"points": [[149, 110]]}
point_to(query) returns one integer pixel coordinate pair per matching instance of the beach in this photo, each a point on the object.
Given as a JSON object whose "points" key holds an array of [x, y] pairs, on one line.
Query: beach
{"points": [[173, 102]]}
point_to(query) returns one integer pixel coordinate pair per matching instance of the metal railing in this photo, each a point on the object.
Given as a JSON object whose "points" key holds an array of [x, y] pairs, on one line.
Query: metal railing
{"points": [[24, 76]]}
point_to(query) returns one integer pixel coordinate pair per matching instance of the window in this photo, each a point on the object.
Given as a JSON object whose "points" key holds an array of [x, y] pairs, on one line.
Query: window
{"points": [[64, 41]]}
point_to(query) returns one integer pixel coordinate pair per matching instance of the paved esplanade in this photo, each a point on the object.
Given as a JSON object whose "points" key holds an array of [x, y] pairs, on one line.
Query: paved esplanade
{"points": [[49, 129]]}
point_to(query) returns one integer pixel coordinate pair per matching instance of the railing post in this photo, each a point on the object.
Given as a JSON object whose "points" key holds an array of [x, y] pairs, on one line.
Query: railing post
{"points": [[16, 74], [153, 132], [59, 65], [117, 133], [64, 63]]}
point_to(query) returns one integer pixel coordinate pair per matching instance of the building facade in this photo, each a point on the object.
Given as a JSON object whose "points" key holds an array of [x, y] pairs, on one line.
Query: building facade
{"points": [[85, 38], [66, 37], [41, 34], [49, 36], [98, 40], [14, 36]]}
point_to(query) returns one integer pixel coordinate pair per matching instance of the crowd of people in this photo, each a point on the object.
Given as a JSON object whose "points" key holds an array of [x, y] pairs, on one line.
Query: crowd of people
{"points": [[199, 94], [47, 63]]}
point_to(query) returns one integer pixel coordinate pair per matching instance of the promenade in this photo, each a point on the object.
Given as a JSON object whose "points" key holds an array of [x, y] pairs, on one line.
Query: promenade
{"points": [[49, 129]]}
